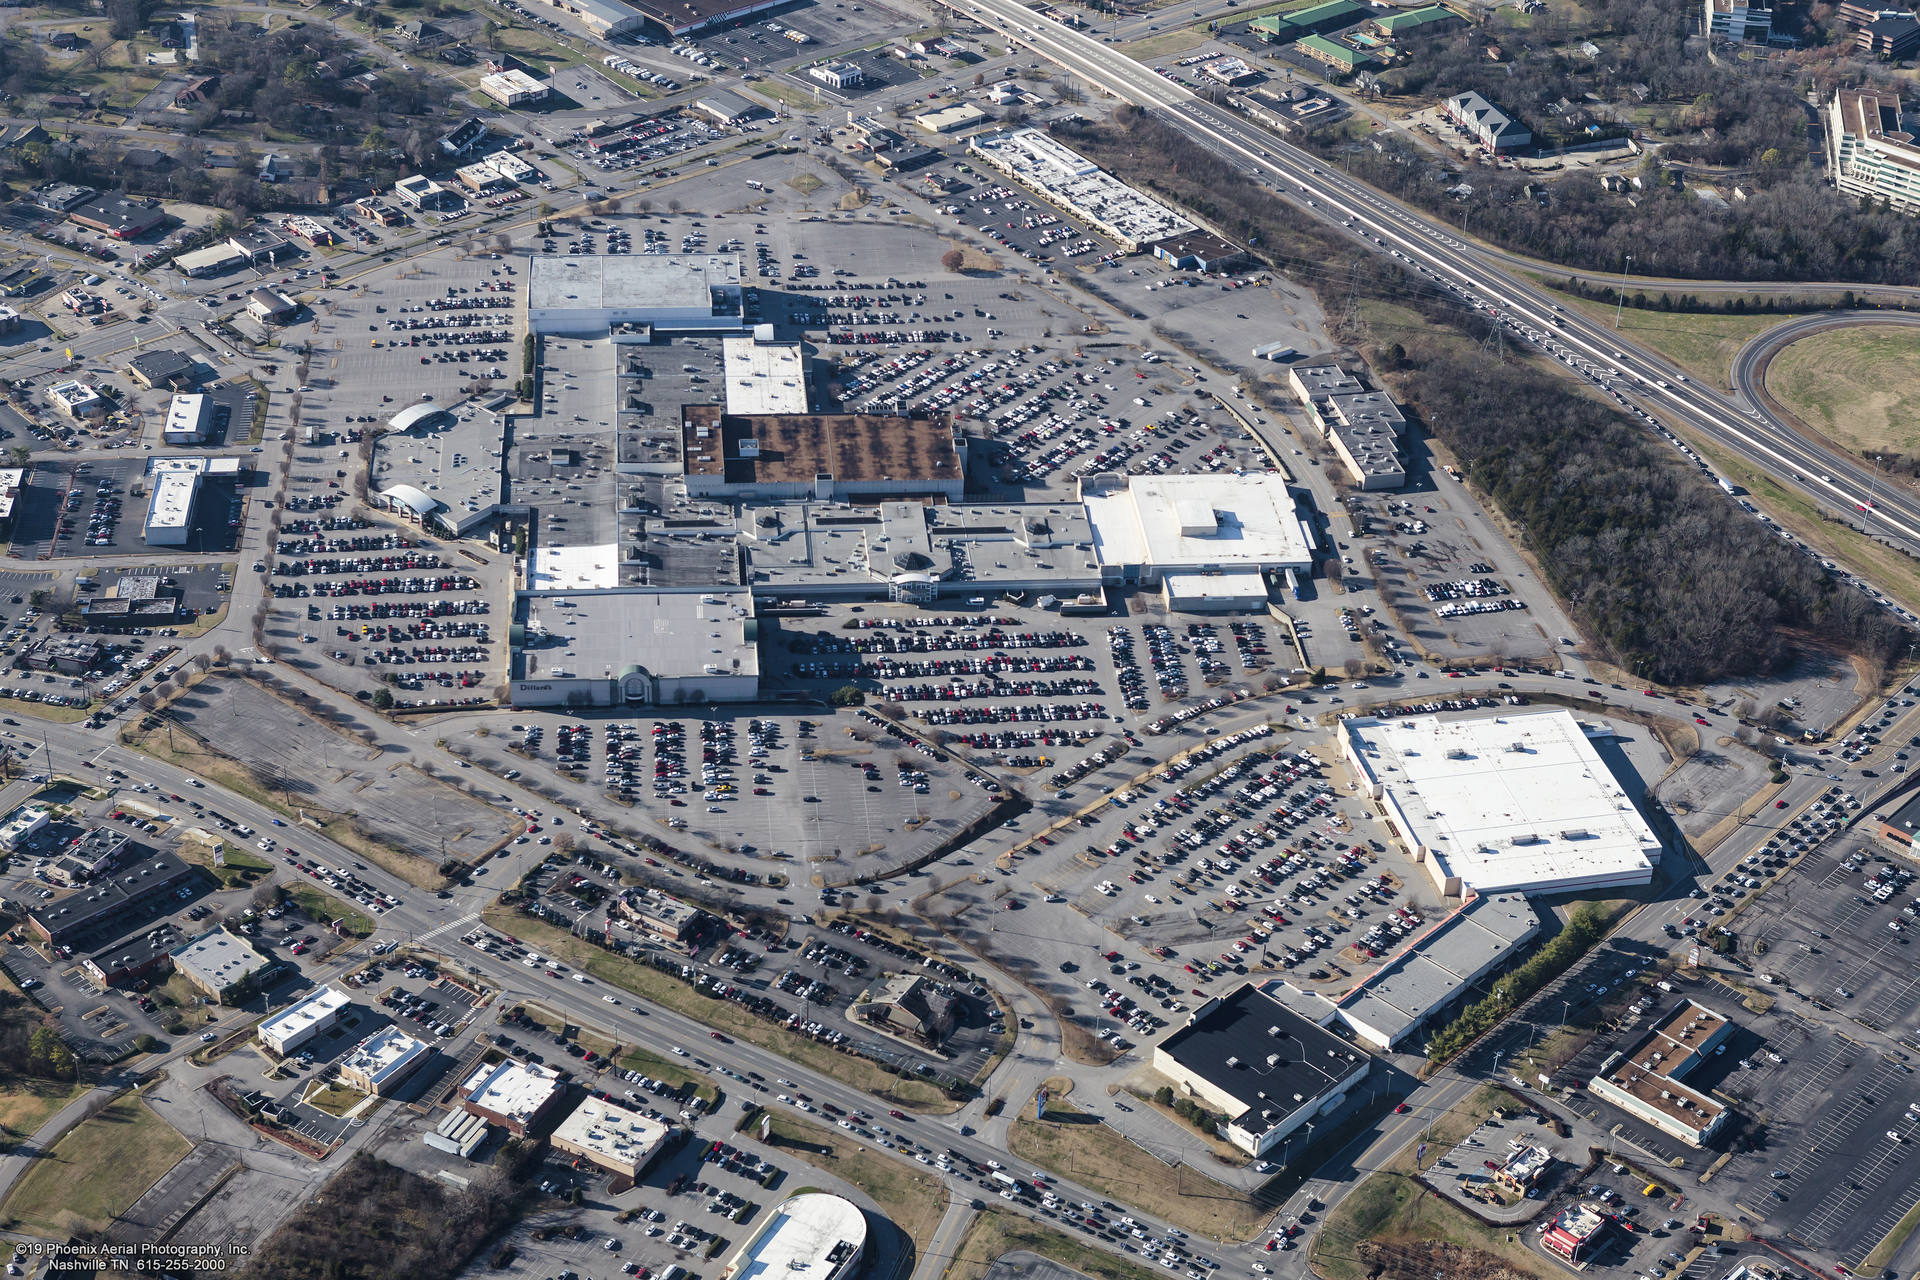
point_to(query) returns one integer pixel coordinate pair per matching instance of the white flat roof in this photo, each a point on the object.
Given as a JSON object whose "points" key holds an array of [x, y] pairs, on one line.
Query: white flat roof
{"points": [[385, 1054], [764, 377], [73, 394], [607, 1129], [590, 567], [796, 1243], [319, 1005], [172, 505], [1236, 584], [187, 415], [511, 1089], [512, 80], [220, 959], [1198, 522], [1519, 803]]}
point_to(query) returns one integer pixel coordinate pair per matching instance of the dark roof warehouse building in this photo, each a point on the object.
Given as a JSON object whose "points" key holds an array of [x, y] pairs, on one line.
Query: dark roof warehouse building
{"points": [[1269, 1069]]}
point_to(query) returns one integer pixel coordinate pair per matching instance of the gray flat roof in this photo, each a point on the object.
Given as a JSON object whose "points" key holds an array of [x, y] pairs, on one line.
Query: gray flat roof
{"points": [[601, 634], [1434, 968], [591, 282]]}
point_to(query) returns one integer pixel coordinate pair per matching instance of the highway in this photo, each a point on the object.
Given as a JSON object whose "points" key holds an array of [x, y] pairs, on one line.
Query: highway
{"points": [[1478, 278]]}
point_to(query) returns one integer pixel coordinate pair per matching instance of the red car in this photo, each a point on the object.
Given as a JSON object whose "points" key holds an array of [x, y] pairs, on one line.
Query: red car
{"points": [[717, 1036], [1401, 1109], [898, 1115], [1779, 804]]}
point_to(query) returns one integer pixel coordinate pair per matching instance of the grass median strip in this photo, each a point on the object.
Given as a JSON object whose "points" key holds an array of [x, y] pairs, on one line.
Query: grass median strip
{"points": [[994, 1233], [913, 1201], [1078, 1147], [725, 1016]]}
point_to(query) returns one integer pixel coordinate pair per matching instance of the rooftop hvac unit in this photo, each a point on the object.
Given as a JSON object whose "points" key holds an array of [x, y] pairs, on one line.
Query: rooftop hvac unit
{"points": [[1298, 1097], [1273, 1060], [1233, 1062]]}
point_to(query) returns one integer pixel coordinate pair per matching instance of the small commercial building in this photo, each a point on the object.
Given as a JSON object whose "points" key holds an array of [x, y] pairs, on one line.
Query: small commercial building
{"points": [[961, 115], [1271, 1071], [261, 243], [170, 508], [22, 824], [1648, 1080], [384, 1061], [165, 367], [1524, 1169], [222, 966], [210, 261], [726, 107], [1201, 251], [519, 1097], [813, 1236], [77, 400], [660, 914], [285, 1032], [269, 306], [129, 959], [911, 1005], [513, 88], [618, 1139], [1576, 1232], [1062, 176], [838, 75], [119, 217], [189, 420]]}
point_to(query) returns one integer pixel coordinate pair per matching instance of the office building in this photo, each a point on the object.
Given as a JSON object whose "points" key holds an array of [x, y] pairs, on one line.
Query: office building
{"points": [[618, 1139], [1269, 1070], [222, 965], [513, 88], [1738, 20], [518, 1096], [1518, 803], [384, 1061], [166, 367], [285, 1032], [911, 1005], [1871, 152]]}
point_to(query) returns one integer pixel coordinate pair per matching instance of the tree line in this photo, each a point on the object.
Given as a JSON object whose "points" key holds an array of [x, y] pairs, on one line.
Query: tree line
{"points": [[1675, 581], [1732, 122]]}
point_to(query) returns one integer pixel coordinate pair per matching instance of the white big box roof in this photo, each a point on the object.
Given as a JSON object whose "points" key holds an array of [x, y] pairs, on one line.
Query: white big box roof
{"points": [[1172, 523], [1507, 803]]}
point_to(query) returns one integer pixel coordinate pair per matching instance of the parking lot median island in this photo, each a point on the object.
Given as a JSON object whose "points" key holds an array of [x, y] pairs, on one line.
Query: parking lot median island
{"points": [[995, 1234], [96, 1173], [914, 1202], [669, 992], [1099, 1157], [652, 1064]]}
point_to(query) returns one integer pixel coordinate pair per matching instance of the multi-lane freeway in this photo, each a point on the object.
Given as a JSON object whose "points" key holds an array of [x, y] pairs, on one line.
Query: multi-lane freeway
{"points": [[1479, 277]]}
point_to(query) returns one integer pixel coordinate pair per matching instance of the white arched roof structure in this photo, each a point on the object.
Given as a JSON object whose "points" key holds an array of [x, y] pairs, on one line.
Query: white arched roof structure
{"points": [[413, 499], [413, 415]]}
